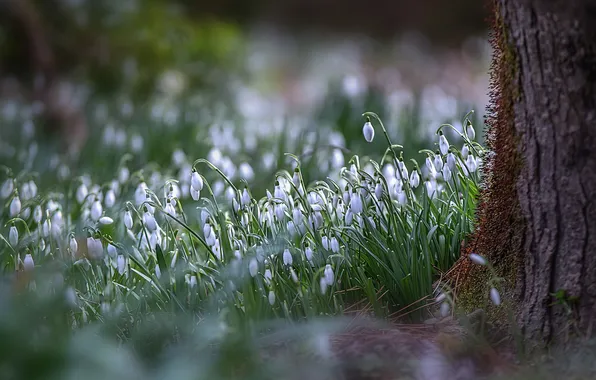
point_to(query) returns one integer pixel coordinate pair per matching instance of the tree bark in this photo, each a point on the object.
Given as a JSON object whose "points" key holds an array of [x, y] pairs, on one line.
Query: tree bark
{"points": [[552, 92]]}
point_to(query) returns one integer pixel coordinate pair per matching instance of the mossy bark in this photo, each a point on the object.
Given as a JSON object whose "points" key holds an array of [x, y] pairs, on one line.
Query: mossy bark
{"points": [[537, 213]]}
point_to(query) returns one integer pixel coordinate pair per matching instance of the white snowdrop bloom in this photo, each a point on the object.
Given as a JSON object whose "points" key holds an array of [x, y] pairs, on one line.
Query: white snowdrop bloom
{"points": [[446, 173], [268, 276], [196, 181], [195, 194], [170, 208], [112, 251], [280, 211], [96, 210], [297, 215], [192, 282], [46, 228], [73, 245], [15, 206], [355, 203], [37, 214], [26, 191], [278, 192], [349, 218], [465, 151], [495, 297], [245, 199], [318, 220], [246, 172], [136, 143], [325, 242], [445, 308], [441, 298], [414, 179], [13, 236], [110, 198], [207, 230], [214, 156], [204, 216], [443, 144], [28, 263], [121, 264], [323, 285], [402, 198], [379, 189], [451, 161], [7, 188], [403, 169], [106, 220], [25, 213], [329, 275], [477, 259], [471, 163], [296, 178], [308, 253], [127, 219], [438, 162], [140, 194], [334, 245], [432, 171], [431, 188], [346, 195], [94, 248], [123, 174], [217, 249], [287, 257], [253, 267], [149, 221], [81, 193], [271, 298], [211, 238], [32, 188], [293, 275], [470, 131], [157, 271]]}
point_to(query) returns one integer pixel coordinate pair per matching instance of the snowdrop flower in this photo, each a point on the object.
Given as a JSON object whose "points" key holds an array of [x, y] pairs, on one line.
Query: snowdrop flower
{"points": [[432, 171], [334, 245], [96, 210], [112, 251], [253, 267], [246, 172], [123, 174], [110, 198], [15, 206], [245, 199], [379, 189], [127, 219], [287, 257], [431, 188], [297, 214], [445, 308], [45, 228], [73, 245], [81, 193], [296, 178], [13, 236], [451, 161], [7, 188], [325, 242], [446, 173], [157, 271], [280, 211], [323, 284], [106, 220], [329, 275], [495, 296], [477, 259], [438, 162], [443, 143], [193, 281], [170, 207], [470, 131], [368, 131], [414, 179], [268, 276], [121, 264], [196, 182], [471, 163], [355, 203], [349, 217], [465, 151], [195, 194], [271, 297], [149, 221], [293, 275], [37, 214], [94, 247], [28, 263], [308, 253], [140, 194], [402, 199]]}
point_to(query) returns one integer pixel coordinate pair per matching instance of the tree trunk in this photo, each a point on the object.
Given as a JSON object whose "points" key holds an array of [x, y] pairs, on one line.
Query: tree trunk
{"points": [[554, 116], [537, 212]]}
